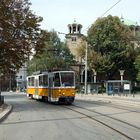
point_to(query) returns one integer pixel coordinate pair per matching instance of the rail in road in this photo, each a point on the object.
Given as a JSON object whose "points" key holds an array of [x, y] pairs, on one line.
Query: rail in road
{"points": [[110, 120], [122, 107]]}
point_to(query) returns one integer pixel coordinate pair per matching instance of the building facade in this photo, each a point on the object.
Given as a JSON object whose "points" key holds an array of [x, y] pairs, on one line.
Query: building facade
{"points": [[21, 78], [73, 39]]}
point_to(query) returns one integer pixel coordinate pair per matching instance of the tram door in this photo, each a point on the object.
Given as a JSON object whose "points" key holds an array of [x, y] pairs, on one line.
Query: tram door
{"points": [[36, 85], [50, 86]]}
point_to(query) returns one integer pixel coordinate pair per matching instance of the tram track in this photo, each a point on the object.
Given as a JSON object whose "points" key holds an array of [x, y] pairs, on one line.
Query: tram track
{"points": [[102, 114], [95, 118], [113, 105], [123, 108]]}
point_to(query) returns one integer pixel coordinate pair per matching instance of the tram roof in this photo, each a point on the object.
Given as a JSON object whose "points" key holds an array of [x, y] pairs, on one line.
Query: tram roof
{"points": [[46, 72]]}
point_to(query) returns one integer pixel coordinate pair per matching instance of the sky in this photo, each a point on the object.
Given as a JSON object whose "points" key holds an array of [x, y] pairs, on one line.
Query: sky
{"points": [[57, 14]]}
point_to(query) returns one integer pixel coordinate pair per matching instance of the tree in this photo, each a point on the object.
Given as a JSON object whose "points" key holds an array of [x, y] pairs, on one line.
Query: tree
{"points": [[56, 55], [111, 41], [137, 64], [20, 33]]}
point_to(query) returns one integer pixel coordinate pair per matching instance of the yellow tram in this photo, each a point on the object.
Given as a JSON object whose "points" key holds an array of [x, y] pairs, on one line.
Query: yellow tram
{"points": [[57, 86]]}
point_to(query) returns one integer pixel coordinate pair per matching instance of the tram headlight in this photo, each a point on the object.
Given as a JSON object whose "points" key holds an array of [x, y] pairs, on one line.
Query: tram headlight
{"points": [[73, 94]]}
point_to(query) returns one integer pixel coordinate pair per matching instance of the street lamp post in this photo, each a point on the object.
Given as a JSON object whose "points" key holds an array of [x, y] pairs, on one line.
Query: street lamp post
{"points": [[86, 68], [1, 97], [10, 82], [0, 83], [121, 74], [95, 74]]}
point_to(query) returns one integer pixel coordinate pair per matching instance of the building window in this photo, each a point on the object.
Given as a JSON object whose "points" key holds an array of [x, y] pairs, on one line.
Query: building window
{"points": [[73, 39], [74, 29]]}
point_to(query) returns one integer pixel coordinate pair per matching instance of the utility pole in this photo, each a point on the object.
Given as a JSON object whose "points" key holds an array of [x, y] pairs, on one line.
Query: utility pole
{"points": [[86, 68], [1, 97], [10, 82]]}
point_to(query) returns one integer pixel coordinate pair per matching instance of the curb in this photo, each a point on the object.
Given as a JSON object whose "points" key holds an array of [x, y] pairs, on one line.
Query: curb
{"points": [[5, 112]]}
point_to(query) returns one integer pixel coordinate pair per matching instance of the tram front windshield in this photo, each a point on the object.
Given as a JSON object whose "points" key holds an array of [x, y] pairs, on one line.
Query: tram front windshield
{"points": [[67, 79]]}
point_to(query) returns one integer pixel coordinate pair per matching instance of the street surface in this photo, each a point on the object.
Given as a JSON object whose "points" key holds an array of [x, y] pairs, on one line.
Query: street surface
{"points": [[84, 120]]}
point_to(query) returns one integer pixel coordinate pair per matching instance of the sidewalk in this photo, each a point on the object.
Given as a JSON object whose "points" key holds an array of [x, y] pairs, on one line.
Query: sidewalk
{"points": [[5, 109], [110, 98]]}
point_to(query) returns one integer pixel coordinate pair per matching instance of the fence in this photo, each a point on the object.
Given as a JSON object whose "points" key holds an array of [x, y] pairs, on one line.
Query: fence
{"points": [[91, 88]]}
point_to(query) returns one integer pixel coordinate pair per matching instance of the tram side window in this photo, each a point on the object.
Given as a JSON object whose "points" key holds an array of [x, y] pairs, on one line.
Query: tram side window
{"points": [[43, 80], [56, 80], [40, 81], [31, 81]]}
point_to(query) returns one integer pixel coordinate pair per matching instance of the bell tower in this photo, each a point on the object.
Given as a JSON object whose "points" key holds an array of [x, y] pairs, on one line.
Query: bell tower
{"points": [[73, 38]]}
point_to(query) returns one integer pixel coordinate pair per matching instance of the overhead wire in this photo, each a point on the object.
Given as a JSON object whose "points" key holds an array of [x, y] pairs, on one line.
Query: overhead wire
{"points": [[110, 8], [90, 25], [104, 13]]}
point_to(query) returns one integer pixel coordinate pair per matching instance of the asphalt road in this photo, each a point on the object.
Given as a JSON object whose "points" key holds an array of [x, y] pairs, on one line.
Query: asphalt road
{"points": [[35, 120]]}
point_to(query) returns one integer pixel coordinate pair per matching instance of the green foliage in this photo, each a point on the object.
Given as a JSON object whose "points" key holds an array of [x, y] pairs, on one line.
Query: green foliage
{"points": [[111, 40], [20, 33], [55, 55], [137, 64], [99, 62]]}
